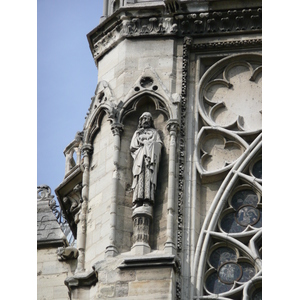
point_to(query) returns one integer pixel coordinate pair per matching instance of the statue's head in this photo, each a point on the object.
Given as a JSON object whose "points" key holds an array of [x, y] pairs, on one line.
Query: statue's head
{"points": [[146, 120]]}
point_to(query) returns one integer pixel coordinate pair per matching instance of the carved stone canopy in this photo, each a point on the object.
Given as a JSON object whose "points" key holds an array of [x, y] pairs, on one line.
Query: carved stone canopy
{"points": [[69, 197]]}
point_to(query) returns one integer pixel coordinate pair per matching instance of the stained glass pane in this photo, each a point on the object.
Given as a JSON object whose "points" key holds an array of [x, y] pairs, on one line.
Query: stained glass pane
{"points": [[230, 272], [229, 224], [222, 255], [259, 223], [257, 169], [214, 285], [247, 215], [244, 197], [248, 271], [257, 295]]}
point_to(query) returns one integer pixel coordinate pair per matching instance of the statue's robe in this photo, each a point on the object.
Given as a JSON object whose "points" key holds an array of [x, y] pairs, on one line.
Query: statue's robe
{"points": [[145, 149]]}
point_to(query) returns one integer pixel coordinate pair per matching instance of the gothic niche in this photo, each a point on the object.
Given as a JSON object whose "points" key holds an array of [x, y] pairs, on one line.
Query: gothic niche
{"points": [[145, 148]]}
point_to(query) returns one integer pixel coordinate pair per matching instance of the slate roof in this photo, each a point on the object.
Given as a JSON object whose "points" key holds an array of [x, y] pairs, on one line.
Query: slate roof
{"points": [[49, 233]]}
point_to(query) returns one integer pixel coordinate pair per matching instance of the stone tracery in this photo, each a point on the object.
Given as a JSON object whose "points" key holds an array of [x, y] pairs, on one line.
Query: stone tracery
{"points": [[222, 99], [233, 226]]}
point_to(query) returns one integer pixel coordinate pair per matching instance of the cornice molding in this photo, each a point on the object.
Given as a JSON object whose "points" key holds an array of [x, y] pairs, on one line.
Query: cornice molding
{"points": [[251, 42], [209, 23]]}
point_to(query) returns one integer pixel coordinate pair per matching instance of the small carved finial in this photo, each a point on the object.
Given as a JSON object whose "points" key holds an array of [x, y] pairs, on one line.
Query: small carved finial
{"points": [[44, 192], [79, 136]]}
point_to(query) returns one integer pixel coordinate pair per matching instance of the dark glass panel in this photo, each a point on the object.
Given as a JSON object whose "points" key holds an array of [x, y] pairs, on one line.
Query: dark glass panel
{"points": [[257, 169], [248, 271], [259, 223], [214, 285], [257, 295], [229, 224], [222, 255], [244, 197]]}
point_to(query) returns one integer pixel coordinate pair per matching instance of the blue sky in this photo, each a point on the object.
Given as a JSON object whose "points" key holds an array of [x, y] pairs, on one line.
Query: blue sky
{"points": [[66, 79]]}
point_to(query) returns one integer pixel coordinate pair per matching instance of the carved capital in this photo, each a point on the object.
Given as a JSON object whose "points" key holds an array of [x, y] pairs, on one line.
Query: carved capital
{"points": [[117, 128], [87, 149], [173, 126]]}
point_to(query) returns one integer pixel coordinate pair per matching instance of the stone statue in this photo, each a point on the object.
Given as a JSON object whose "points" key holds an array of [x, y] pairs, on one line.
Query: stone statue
{"points": [[145, 149]]}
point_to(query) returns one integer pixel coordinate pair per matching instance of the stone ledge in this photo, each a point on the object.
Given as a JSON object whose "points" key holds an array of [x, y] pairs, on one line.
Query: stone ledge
{"points": [[81, 280], [147, 261], [48, 243]]}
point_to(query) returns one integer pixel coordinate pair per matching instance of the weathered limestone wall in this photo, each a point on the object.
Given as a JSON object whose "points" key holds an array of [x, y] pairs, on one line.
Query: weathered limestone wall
{"points": [[51, 275], [98, 220], [131, 284], [122, 68], [125, 64]]}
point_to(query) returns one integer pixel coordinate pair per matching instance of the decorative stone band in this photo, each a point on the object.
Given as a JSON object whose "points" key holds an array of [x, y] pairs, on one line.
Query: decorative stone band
{"points": [[192, 24], [228, 44]]}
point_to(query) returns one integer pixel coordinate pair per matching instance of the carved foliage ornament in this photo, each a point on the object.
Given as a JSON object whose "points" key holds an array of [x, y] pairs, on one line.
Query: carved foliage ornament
{"points": [[229, 94], [208, 23]]}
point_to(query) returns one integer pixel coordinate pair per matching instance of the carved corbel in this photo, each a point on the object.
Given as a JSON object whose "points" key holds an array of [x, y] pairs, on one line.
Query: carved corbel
{"points": [[225, 24], [136, 25], [198, 25], [149, 27], [211, 25], [240, 23], [66, 253]]}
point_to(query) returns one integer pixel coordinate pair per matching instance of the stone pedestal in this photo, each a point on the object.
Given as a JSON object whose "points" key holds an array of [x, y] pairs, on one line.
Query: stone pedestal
{"points": [[142, 217]]}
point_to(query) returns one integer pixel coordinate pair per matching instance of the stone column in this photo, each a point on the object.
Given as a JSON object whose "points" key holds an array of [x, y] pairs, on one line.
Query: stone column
{"points": [[111, 249], [170, 247], [105, 8], [81, 226]]}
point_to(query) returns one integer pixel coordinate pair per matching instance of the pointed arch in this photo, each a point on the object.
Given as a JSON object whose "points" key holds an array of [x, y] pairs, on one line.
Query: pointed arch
{"points": [[94, 123], [132, 104]]}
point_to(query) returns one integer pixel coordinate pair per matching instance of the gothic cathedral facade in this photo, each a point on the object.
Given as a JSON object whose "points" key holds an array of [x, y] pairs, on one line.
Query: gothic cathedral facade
{"points": [[162, 193]]}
